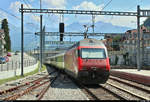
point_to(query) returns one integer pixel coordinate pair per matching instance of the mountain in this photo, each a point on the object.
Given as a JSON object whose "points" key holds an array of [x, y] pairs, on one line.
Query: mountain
{"points": [[99, 27], [15, 36], [31, 40], [75, 27]]}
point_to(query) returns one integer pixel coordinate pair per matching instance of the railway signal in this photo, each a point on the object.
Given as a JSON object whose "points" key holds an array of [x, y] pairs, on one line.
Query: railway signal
{"points": [[61, 30]]}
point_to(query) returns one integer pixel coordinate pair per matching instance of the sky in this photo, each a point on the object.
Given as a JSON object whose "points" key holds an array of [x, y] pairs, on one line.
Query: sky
{"points": [[10, 9]]}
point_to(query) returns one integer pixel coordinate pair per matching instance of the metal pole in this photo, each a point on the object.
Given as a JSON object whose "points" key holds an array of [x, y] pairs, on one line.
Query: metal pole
{"points": [[41, 46], [22, 39], [143, 49], [43, 42], [138, 42]]}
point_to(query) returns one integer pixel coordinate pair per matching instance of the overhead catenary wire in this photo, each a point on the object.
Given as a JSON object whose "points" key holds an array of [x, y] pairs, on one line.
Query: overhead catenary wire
{"points": [[93, 16], [106, 5], [10, 14], [26, 3]]}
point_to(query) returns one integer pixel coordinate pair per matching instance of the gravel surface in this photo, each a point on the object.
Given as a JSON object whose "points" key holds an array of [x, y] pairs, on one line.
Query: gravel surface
{"points": [[64, 89]]}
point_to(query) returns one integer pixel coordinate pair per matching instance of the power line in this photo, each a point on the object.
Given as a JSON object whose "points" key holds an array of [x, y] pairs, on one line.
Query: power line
{"points": [[9, 23], [14, 26], [106, 5], [10, 14], [26, 3]]}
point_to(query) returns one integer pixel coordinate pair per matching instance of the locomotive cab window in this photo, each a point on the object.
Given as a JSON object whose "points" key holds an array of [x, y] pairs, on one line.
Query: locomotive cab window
{"points": [[93, 53]]}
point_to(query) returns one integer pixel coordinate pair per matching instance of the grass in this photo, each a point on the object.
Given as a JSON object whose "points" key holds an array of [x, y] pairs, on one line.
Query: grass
{"points": [[2, 81]]}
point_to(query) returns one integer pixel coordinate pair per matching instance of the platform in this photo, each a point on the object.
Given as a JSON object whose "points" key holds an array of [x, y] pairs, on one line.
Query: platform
{"points": [[142, 76], [134, 71]]}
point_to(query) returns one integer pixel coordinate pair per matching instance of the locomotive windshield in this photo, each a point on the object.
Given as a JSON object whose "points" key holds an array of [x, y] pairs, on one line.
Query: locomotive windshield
{"points": [[93, 53]]}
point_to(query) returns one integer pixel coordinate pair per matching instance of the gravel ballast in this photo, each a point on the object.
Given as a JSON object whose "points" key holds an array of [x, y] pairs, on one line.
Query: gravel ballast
{"points": [[64, 89]]}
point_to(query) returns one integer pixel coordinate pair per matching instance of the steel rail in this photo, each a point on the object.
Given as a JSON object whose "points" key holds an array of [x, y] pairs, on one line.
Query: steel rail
{"points": [[113, 93], [128, 91], [41, 93], [129, 84], [17, 87], [14, 97]]}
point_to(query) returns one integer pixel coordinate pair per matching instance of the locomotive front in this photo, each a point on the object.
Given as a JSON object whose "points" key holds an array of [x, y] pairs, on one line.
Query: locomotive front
{"points": [[93, 63]]}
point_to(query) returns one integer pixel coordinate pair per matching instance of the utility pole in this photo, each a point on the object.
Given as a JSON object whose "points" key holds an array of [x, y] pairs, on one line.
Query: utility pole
{"points": [[22, 39], [43, 43], [138, 42], [41, 46]]}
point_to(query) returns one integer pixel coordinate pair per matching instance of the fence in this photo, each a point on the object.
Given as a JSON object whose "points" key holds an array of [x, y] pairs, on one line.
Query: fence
{"points": [[13, 65]]}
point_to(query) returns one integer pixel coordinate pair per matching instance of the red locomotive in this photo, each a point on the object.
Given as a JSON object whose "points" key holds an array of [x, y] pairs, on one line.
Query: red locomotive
{"points": [[87, 61]]}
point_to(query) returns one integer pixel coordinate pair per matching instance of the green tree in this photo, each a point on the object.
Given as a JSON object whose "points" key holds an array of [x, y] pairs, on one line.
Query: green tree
{"points": [[7, 37]]}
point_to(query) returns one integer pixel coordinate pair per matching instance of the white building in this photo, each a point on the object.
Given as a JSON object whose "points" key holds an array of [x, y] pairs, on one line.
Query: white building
{"points": [[130, 45], [2, 42]]}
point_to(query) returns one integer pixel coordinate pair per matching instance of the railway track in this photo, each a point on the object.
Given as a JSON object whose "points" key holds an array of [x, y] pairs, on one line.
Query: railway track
{"points": [[117, 89], [97, 92], [40, 84], [129, 89]]}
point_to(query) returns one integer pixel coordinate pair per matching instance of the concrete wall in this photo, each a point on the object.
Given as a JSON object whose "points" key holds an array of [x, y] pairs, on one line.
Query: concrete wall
{"points": [[12, 73]]}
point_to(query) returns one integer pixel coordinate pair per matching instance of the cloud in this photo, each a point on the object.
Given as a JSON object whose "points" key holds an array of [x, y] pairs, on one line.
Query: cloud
{"points": [[14, 6], [55, 3], [115, 20], [35, 18], [123, 21], [85, 5], [3, 14]]}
